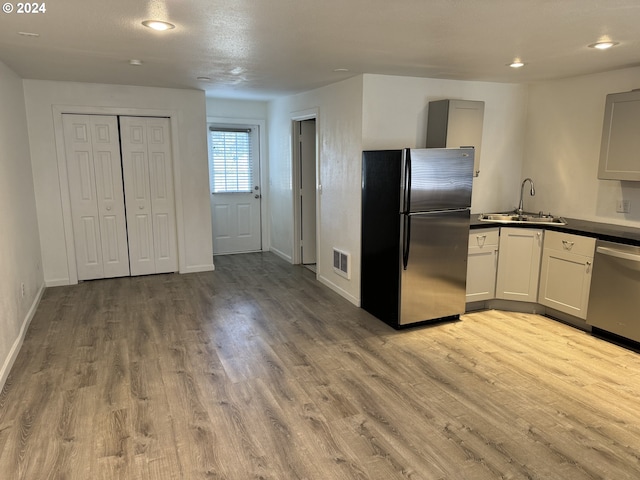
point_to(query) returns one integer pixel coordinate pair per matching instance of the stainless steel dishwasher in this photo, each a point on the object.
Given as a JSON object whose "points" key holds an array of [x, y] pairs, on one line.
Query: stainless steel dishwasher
{"points": [[614, 300]]}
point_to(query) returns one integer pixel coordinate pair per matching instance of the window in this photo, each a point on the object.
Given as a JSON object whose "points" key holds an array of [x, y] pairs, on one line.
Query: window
{"points": [[230, 160]]}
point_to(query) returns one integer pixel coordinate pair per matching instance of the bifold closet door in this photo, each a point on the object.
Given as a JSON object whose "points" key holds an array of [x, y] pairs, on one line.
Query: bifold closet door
{"points": [[147, 167], [94, 173]]}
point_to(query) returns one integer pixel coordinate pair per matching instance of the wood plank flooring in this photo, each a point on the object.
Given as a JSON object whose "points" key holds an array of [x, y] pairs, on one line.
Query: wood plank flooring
{"points": [[257, 371]]}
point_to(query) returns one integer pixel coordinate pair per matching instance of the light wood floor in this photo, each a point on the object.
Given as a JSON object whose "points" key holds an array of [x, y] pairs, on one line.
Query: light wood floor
{"points": [[256, 371]]}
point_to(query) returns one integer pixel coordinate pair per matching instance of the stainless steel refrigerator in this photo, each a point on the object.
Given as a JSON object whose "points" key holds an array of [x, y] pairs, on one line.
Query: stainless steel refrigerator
{"points": [[415, 232]]}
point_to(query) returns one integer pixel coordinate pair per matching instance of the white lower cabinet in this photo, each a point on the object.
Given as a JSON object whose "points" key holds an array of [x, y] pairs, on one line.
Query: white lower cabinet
{"points": [[565, 277], [519, 264], [482, 264]]}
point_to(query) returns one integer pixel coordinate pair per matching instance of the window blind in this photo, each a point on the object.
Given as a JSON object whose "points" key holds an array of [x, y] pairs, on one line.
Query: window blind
{"points": [[230, 160]]}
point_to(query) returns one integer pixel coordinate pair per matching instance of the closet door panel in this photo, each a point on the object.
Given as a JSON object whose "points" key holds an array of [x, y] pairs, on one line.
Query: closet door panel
{"points": [[135, 168], [95, 190], [110, 196], [162, 196], [148, 173]]}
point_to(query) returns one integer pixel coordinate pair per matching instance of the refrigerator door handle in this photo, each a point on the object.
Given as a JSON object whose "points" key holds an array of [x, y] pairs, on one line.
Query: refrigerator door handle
{"points": [[406, 240], [406, 177]]}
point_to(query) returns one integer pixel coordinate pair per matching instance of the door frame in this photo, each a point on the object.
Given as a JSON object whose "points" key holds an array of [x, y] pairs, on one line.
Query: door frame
{"points": [[172, 115], [265, 224], [296, 257]]}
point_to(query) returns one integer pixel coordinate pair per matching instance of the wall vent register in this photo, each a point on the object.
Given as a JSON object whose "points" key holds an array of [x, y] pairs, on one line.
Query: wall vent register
{"points": [[341, 263]]}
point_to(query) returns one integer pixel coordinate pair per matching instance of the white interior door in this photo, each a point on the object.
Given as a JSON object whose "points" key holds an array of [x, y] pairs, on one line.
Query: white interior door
{"points": [[148, 178], [234, 164], [96, 193], [307, 142]]}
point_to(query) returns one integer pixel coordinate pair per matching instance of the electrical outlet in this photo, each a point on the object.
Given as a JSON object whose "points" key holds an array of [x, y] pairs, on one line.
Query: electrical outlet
{"points": [[622, 206], [22, 289]]}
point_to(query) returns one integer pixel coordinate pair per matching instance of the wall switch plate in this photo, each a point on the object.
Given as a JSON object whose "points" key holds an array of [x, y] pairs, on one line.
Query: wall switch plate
{"points": [[622, 206]]}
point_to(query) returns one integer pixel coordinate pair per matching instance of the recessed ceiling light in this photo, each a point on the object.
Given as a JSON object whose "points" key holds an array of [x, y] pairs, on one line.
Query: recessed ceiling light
{"points": [[204, 79], [158, 25], [28, 34], [603, 45], [517, 63], [135, 61], [340, 69]]}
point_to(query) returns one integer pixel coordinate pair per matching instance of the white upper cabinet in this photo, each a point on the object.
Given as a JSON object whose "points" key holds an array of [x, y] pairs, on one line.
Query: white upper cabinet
{"points": [[620, 147], [456, 123]]}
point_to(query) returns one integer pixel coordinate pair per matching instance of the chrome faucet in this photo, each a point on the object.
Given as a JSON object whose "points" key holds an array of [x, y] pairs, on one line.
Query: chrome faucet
{"points": [[520, 209]]}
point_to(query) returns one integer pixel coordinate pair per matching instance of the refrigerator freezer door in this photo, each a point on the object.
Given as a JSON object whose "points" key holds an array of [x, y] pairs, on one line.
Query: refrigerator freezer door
{"points": [[437, 179], [433, 282]]}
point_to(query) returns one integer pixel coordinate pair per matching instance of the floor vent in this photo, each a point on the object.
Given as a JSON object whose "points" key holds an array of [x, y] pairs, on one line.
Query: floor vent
{"points": [[342, 263]]}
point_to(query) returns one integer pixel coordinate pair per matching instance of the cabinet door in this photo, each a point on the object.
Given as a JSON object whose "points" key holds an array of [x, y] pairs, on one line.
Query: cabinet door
{"points": [[482, 264], [565, 281], [456, 123], [519, 264], [465, 127], [620, 139], [92, 150], [148, 179], [481, 273]]}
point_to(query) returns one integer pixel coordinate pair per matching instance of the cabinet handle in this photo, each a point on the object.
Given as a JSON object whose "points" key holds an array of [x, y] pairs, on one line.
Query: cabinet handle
{"points": [[588, 263], [567, 244], [480, 239]]}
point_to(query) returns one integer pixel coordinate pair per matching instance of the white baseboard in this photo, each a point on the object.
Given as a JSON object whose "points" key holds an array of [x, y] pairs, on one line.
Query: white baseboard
{"points": [[15, 349], [57, 282], [339, 290], [282, 255], [199, 268]]}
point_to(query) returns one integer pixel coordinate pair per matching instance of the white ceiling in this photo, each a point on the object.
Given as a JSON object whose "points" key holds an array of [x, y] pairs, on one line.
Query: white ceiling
{"points": [[265, 48]]}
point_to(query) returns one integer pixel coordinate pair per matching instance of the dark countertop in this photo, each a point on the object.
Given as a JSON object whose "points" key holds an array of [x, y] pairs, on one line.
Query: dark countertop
{"points": [[601, 231]]}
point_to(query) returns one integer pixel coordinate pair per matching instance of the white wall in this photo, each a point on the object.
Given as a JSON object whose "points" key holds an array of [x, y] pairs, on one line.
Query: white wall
{"points": [[339, 134], [563, 148], [20, 260], [395, 116], [231, 108], [44, 102]]}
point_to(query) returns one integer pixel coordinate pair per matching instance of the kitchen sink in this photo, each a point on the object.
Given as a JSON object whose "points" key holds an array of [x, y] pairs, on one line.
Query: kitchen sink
{"points": [[525, 218]]}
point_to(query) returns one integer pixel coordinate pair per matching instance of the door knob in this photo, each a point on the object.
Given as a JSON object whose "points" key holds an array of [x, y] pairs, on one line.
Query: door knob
{"points": [[141, 207], [257, 196], [108, 208]]}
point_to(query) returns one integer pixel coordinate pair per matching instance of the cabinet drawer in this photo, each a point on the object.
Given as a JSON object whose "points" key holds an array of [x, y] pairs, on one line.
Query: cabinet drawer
{"points": [[568, 242], [484, 237]]}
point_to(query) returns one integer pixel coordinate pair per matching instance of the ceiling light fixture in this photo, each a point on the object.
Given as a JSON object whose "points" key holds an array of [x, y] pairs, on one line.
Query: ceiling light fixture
{"points": [[158, 25], [204, 79], [603, 45], [135, 61], [338, 70], [517, 63], [28, 34]]}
